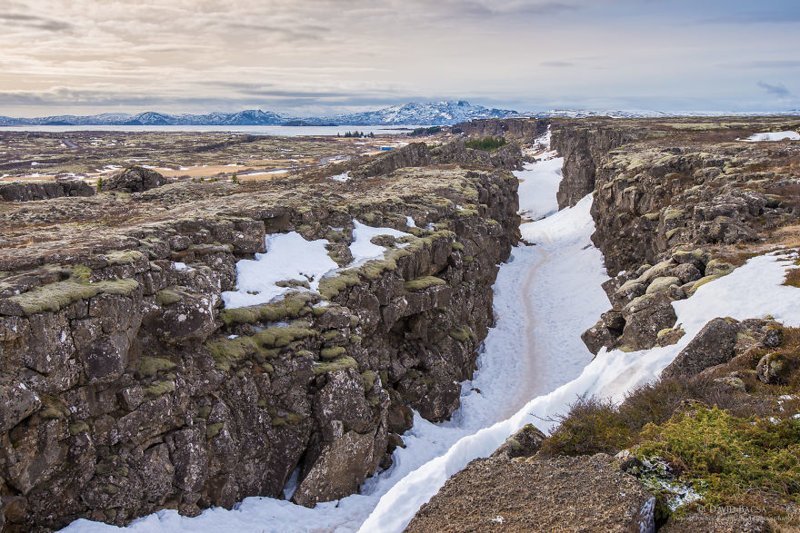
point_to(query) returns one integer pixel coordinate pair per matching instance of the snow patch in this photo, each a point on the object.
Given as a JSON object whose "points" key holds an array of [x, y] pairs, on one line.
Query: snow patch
{"points": [[773, 136], [289, 257], [342, 178], [363, 249]]}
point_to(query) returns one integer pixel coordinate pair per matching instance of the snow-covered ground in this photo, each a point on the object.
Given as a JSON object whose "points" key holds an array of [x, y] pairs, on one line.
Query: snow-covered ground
{"points": [[774, 136], [532, 367]]}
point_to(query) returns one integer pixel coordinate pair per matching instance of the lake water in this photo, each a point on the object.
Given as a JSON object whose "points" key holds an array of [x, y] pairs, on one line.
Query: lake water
{"points": [[287, 131]]}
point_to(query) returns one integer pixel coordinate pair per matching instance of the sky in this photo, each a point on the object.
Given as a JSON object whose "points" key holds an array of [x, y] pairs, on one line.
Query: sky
{"points": [[313, 57]]}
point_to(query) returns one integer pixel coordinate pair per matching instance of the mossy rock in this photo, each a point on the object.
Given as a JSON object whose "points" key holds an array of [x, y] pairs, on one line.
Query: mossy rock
{"points": [[700, 282], [339, 364], [160, 388], [332, 286], [368, 378], [462, 334], [420, 284], [168, 297], [332, 353], [293, 305], [150, 366], [78, 427], [124, 257], [212, 430], [56, 296]]}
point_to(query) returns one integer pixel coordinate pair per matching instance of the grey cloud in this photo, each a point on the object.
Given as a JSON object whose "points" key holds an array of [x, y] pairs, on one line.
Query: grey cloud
{"points": [[36, 22], [778, 89]]}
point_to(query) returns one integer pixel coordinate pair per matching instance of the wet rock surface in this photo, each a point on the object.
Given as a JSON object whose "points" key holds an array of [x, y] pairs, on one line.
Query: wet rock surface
{"points": [[127, 387]]}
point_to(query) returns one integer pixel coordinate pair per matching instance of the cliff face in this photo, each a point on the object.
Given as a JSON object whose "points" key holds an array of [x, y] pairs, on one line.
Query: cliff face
{"points": [[675, 204], [583, 145], [523, 130], [127, 388]]}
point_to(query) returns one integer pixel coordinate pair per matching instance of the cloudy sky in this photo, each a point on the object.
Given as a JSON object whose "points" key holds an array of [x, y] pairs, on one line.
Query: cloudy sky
{"points": [[322, 56]]}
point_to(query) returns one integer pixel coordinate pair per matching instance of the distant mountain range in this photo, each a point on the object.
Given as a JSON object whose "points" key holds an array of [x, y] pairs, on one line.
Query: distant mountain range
{"points": [[432, 113], [420, 114]]}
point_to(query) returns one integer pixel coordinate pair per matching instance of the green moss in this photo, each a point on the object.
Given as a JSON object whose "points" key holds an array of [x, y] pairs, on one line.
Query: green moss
{"points": [[78, 427], [457, 246], [294, 305], [150, 366], [332, 286], [56, 296], [339, 364], [160, 388], [368, 378], [124, 257], [263, 345], [486, 144], [212, 430], [332, 353], [700, 282], [168, 297], [420, 284], [462, 334], [671, 213], [725, 456]]}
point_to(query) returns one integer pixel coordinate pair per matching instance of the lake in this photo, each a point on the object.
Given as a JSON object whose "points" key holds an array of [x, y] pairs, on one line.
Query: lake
{"points": [[284, 131]]}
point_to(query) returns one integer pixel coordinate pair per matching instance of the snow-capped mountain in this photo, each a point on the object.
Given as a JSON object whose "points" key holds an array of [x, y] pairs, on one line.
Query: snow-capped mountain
{"points": [[436, 113]]}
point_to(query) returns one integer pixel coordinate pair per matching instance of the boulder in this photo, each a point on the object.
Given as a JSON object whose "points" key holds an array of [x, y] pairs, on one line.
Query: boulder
{"points": [[134, 179], [714, 345], [524, 443]]}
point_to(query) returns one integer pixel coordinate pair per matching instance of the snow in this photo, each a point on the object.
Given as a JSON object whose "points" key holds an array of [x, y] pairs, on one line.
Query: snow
{"points": [[363, 249], [774, 136], [410, 222], [342, 178], [179, 266], [289, 257], [538, 184]]}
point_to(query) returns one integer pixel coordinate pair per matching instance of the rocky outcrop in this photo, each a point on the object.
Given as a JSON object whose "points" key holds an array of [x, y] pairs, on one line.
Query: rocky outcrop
{"points": [[674, 207], [522, 130], [583, 145], [127, 388], [539, 494], [453, 153], [134, 179], [43, 190]]}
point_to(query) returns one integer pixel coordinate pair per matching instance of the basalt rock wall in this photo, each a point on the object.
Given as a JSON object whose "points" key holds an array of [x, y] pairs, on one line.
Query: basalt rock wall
{"points": [[126, 387]]}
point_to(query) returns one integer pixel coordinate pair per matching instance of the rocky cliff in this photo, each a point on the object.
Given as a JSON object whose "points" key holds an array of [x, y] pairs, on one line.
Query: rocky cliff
{"points": [[523, 130], [676, 204], [127, 387]]}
